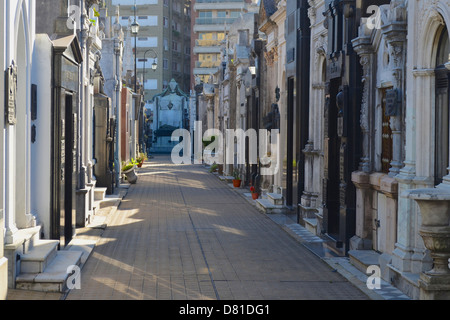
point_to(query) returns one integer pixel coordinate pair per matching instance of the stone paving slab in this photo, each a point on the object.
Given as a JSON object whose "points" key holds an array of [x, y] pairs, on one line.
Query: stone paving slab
{"points": [[182, 233]]}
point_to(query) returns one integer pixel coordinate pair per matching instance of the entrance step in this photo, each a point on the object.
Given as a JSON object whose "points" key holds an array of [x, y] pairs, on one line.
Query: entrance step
{"points": [[39, 257], [55, 275], [228, 179], [311, 225], [362, 259], [275, 198], [268, 207], [99, 193]]}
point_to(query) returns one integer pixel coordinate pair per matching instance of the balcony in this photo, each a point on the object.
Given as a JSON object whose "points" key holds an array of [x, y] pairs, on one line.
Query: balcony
{"points": [[217, 1], [208, 64], [131, 2], [208, 43], [207, 46], [205, 71], [219, 5], [202, 21]]}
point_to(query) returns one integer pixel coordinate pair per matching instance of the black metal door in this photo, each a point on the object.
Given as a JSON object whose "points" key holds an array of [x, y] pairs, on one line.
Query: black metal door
{"points": [[70, 168], [65, 168], [332, 161], [60, 162], [290, 142]]}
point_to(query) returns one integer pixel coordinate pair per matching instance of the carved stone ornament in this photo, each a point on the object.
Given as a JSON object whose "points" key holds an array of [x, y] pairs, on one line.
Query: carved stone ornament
{"points": [[364, 121], [11, 94], [90, 3]]}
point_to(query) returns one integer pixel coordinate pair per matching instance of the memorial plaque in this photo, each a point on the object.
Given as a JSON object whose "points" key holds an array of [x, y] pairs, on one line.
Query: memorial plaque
{"points": [[69, 75], [33, 102], [290, 55], [392, 102], [335, 69], [11, 91]]}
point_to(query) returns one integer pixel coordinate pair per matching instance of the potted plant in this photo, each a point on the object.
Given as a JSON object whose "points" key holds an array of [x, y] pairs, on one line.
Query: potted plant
{"points": [[213, 167], [255, 195], [140, 160], [237, 179], [128, 170]]}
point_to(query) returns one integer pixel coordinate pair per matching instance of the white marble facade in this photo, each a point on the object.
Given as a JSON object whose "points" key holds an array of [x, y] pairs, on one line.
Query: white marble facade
{"points": [[402, 53], [311, 203], [16, 48]]}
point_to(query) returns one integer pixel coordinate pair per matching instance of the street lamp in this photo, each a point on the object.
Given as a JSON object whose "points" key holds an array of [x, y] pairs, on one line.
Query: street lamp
{"points": [[134, 32], [154, 67], [154, 64]]}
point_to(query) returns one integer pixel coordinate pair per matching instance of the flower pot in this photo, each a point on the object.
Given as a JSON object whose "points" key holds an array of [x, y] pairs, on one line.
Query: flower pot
{"points": [[140, 164], [255, 195], [131, 176], [236, 183]]}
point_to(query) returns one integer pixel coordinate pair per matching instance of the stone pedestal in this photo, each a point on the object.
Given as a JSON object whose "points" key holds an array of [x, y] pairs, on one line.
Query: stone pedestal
{"points": [[3, 278], [83, 211], [363, 235], [434, 207]]}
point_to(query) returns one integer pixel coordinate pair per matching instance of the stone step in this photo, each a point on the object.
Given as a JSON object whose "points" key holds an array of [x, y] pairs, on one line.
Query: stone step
{"points": [[99, 193], [362, 259], [41, 255], [275, 198], [228, 179], [268, 207], [311, 225], [55, 276], [24, 240]]}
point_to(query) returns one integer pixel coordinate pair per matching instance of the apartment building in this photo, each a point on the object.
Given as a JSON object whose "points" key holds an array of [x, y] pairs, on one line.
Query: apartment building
{"points": [[211, 19], [164, 38]]}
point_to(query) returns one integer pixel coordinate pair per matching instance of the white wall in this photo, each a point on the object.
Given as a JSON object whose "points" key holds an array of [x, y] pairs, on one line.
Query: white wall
{"points": [[41, 149]]}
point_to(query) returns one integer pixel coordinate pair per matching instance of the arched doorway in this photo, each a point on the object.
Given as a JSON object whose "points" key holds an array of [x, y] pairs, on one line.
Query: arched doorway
{"points": [[442, 113], [16, 167], [23, 218]]}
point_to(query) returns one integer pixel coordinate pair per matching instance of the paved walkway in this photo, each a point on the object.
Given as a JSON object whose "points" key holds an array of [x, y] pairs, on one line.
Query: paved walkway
{"points": [[181, 233]]}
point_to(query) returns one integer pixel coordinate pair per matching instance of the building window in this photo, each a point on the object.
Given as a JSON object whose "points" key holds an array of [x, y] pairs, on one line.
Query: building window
{"points": [[205, 14], [175, 46], [175, 26], [165, 64], [235, 14], [175, 66], [177, 7], [166, 3], [166, 44], [166, 22]]}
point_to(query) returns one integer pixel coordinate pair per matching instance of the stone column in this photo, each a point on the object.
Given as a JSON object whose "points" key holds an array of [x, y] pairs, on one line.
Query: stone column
{"points": [[363, 233], [409, 253], [396, 44], [394, 32], [361, 178], [363, 46]]}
